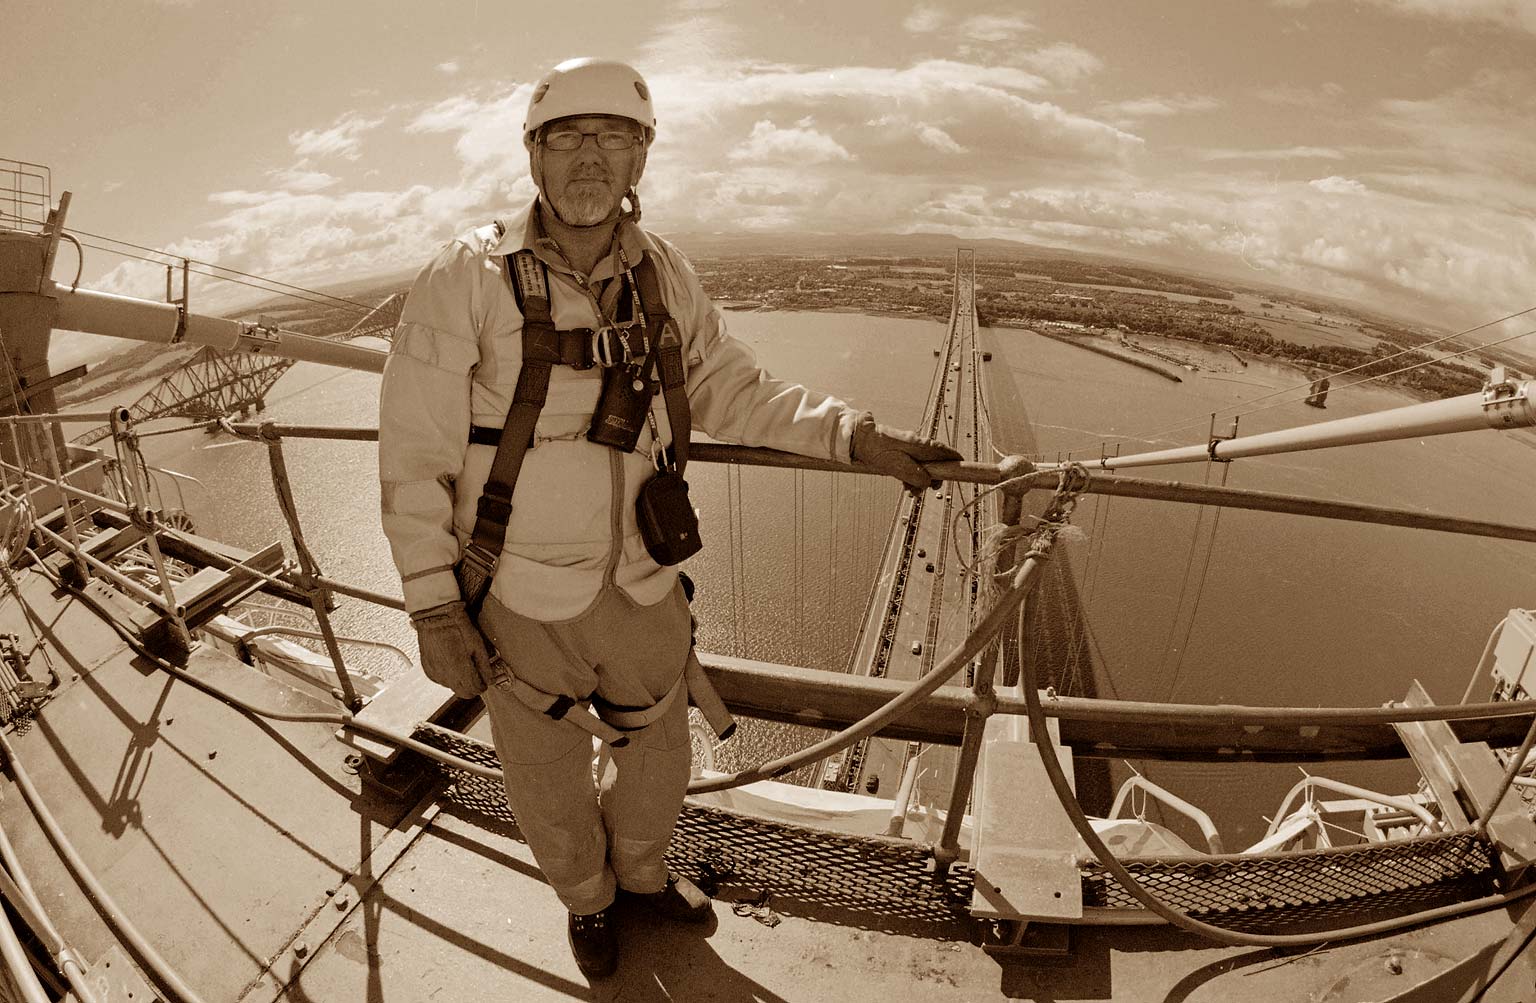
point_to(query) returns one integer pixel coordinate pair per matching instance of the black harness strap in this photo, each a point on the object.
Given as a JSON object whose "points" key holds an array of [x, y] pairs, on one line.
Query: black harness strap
{"points": [[541, 351], [673, 379], [544, 348]]}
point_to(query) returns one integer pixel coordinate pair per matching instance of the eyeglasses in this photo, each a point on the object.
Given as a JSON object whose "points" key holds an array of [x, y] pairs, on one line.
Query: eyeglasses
{"points": [[566, 140]]}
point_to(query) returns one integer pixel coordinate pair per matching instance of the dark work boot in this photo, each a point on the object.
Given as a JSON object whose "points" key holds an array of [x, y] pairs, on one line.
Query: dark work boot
{"points": [[595, 942], [681, 900]]}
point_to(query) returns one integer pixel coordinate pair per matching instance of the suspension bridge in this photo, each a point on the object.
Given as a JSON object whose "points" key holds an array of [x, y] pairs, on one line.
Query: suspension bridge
{"points": [[929, 585]]}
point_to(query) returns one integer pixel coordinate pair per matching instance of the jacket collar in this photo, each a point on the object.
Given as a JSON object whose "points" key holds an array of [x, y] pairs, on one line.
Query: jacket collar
{"points": [[521, 231]]}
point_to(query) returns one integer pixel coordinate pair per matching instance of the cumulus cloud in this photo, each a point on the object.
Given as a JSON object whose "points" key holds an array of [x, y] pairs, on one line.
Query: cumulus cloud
{"points": [[929, 135], [1062, 62], [342, 139], [985, 109], [490, 128], [1275, 153], [799, 144], [1519, 14], [1474, 124], [924, 19], [1383, 249], [1335, 185], [298, 179], [308, 238], [1158, 107], [448, 68], [994, 27]]}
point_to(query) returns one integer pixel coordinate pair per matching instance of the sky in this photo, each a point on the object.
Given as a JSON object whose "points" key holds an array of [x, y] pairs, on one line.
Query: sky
{"points": [[1378, 151]]}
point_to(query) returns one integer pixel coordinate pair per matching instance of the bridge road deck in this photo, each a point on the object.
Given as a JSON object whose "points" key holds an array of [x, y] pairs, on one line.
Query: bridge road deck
{"points": [[927, 592]]}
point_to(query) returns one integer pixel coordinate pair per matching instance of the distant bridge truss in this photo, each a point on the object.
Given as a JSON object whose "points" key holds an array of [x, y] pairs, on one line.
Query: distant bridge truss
{"points": [[216, 384]]}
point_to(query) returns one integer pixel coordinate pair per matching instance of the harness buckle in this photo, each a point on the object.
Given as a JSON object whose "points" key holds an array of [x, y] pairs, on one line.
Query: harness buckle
{"points": [[610, 348]]}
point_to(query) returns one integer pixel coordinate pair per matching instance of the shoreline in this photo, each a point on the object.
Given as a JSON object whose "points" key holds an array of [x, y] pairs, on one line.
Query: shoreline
{"points": [[160, 367]]}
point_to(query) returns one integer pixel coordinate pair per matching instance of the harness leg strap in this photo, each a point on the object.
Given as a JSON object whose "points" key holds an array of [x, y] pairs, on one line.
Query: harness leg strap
{"points": [[565, 709], [703, 695]]}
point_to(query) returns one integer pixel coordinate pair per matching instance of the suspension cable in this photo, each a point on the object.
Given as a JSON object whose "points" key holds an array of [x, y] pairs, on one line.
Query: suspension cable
{"points": [[1398, 372], [208, 264], [1153, 436], [327, 301]]}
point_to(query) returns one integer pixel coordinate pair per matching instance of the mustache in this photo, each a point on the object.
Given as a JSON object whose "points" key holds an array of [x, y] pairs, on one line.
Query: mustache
{"points": [[591, 174]]}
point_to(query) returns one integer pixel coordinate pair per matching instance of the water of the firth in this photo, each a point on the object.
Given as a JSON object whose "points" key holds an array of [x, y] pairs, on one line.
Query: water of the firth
{"points": [[1290, 611]]}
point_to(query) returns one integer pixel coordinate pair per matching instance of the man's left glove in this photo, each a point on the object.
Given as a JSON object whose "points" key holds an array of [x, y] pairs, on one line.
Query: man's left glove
{"points": [[453, 653], [897, 453]]}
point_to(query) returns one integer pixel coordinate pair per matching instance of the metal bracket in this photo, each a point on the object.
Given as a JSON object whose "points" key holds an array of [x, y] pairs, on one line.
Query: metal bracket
{"points": [[263, 332], [114, 980], [1016, 939], [1501, 390]]}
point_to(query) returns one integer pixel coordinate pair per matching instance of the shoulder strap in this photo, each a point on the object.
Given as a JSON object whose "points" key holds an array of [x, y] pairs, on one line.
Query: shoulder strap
{"points": [[541, 350], [663, 333]]}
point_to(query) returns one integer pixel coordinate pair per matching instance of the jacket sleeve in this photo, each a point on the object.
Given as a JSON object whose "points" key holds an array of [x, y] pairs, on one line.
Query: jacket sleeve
{"points": [[424, 417], [734, 400]]}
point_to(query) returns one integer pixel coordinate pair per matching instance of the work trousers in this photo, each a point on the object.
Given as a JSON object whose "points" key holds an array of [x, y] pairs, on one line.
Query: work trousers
{"points": [[589, 833]]}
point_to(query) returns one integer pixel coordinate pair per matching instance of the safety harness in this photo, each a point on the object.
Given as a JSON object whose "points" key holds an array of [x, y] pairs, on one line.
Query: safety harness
{"points": [[651, 338]]}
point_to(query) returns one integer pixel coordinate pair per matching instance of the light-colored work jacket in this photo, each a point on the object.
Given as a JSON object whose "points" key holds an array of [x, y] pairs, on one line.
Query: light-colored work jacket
{"points": [[454, 362]]}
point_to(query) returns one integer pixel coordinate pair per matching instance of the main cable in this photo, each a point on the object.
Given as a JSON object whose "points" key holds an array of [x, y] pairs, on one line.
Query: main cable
{"points": [[210, 264], [1152, 436], [348, 304]]}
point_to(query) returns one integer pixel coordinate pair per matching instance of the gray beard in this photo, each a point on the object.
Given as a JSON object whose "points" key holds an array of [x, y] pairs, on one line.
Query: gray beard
{"points": [[585, 205]]}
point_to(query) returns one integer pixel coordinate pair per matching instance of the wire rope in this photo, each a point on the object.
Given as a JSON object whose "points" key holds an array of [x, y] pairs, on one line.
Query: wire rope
{"points": [[1194, 610], [1189, 565], [251, 285], [1153, 436], [209, 264]]}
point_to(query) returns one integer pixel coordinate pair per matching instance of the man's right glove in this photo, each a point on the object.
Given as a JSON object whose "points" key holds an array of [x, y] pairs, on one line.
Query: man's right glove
{"points": [[897, 453], [453, 653]]}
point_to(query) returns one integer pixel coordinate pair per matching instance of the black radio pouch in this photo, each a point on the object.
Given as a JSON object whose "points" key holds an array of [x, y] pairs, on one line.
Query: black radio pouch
{"points": [[621, 408], [668, 524]]}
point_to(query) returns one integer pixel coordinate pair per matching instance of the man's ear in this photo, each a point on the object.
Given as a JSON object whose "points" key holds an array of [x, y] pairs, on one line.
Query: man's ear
{"points": [[536, 165]]}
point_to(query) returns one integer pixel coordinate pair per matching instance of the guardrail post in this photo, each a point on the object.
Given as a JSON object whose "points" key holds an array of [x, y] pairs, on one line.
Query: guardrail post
{"points": [[309, 570], [982, 704], [66, 504], [144, 516], [898, 820]]}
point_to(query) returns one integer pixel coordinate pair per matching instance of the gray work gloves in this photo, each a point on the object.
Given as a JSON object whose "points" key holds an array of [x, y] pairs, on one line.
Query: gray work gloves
{"points": [[897, 453], [453, 653]]}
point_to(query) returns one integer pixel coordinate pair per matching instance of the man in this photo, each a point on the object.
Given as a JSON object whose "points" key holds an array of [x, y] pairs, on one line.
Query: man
{"points": [[578, 610]]}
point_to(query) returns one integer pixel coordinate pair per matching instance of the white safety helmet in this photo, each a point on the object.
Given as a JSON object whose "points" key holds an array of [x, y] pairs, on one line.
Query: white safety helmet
{"points": [[590, 87]]}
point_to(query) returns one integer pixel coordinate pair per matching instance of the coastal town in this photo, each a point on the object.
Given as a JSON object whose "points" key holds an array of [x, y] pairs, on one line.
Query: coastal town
{"points": [[1117, 306], [1129, 311]]}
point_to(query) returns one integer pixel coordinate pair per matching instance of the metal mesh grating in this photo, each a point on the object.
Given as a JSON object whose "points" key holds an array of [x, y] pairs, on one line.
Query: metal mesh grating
{"points": [[895, 878], [1213, 889], [892, 878]]}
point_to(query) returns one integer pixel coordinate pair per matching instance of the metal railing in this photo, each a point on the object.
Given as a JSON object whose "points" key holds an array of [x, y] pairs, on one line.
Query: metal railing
{"points": [[982, 702], [1020, 569], [26, 195], [1136, 783]]}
